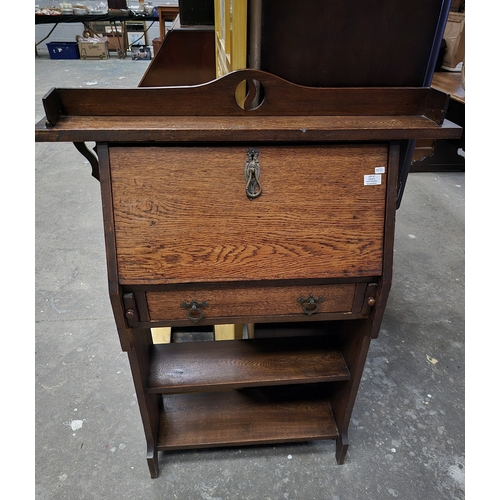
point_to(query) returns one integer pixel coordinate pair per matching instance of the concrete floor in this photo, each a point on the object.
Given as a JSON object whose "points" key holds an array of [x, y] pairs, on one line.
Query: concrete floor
{"points": [[407, 430]]}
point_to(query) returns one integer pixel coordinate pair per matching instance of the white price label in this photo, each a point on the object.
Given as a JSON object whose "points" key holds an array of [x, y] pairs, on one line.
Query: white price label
{"points": [[373, 180], [380, 170]]}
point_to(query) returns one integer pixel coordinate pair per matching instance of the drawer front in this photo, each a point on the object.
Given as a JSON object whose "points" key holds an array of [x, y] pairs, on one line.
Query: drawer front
{"points": [[182, 214], [250, 302]]}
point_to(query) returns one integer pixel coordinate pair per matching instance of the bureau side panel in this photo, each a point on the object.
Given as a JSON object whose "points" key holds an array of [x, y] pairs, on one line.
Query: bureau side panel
{"points": [[182, 213]]}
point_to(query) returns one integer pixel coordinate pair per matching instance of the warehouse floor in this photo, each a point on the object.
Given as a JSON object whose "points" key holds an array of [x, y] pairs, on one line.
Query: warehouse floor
{"points": [[407, 430]]}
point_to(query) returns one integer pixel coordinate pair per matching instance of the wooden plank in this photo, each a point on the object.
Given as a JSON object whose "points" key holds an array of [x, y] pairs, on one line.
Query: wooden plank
{"points": [[161, 335], [185, 57], [217, 98], [166, 13], [52, 107], [314, 222], [451, 83], [242, 418], [228, 332], [231, 40], [264, 301], [294, 128], [244, 363]]}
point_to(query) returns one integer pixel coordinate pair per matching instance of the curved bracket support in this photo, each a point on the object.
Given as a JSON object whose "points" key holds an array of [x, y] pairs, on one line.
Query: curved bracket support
{"points": [[90, 156]]}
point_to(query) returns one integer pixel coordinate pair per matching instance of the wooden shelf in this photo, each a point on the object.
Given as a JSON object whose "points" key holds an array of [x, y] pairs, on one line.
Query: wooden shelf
{"points": [[292, 112], [203, 366], [246, 417], [300, 129], [450, 83]]}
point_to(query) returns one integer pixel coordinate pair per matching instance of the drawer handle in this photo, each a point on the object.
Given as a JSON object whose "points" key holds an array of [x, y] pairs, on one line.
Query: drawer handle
{"points": [[310, 304], [194, 312], [253, 187]]}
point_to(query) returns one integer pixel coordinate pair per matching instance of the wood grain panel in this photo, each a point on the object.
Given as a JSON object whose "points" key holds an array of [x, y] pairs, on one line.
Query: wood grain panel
{"points": [[182, 215], [216, 98], [186, 57], [298, 129], [258, 301], [243, 417], [205, 366]]}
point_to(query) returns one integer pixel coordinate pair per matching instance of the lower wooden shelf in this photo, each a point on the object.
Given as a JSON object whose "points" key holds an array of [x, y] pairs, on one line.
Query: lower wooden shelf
{"points": [[205, 366], [245, 417]]}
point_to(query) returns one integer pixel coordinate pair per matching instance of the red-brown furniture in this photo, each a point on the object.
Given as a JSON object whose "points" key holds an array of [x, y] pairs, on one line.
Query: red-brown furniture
{"points": [[280, 215]]}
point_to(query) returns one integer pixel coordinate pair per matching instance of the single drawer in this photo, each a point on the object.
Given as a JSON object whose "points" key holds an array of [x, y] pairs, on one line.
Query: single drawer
{"points": [[252, 303]]}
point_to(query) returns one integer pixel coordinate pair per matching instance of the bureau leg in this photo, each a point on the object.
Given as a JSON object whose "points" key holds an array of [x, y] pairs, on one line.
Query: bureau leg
{"points": [[152, 458], [354, 342], [149, 404], [342, 445]]}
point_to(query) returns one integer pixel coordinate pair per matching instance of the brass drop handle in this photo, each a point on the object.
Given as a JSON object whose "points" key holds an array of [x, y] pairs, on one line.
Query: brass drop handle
{"points": [[194, 312], [253, 187], [310, 304]]}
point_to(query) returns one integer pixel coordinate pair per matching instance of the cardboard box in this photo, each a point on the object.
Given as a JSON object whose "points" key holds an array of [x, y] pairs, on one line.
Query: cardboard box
{"points": [[63, 50], [93, 50], [454, 35], [157, 42]]}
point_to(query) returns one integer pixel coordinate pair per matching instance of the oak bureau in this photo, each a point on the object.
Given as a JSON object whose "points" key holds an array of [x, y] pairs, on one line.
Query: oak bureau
{"points": [[277, 212]]}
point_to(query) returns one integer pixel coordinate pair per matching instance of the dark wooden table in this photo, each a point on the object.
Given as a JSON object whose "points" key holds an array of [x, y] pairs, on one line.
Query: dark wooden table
{"points": [[450, 83]]}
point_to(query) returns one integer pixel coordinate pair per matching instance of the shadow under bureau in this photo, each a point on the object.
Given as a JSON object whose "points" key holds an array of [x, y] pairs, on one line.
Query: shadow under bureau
{"points": [[276, 212]]}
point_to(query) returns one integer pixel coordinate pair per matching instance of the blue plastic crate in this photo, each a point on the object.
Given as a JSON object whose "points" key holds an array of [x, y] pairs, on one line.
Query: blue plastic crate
{"points": [[63, 50]]}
